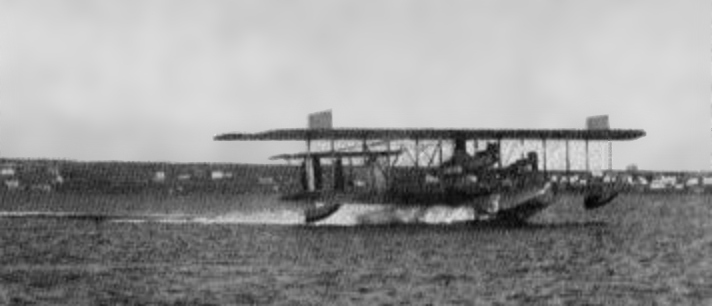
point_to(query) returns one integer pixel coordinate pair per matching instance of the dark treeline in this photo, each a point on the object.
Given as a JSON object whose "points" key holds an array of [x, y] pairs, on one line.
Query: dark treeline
{"points": [[127, 177]]}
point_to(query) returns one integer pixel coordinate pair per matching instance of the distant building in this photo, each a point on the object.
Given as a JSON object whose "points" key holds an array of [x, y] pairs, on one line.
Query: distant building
{"points": [[160, 176], [7, 169], [217, 174]]}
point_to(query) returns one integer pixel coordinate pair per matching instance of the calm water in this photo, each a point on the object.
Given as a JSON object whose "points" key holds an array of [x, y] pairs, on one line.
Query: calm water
{"points": [[642, 250]]}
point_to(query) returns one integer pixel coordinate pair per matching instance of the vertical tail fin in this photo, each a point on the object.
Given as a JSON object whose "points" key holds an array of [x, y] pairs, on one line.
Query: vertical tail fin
{"points": [[597, 123], [320, 120]]}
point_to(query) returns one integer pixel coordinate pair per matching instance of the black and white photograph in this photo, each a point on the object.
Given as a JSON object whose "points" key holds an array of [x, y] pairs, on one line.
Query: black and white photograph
{"points": [[343, 152]]}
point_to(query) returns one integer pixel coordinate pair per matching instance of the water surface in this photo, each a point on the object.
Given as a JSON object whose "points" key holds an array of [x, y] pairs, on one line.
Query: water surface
{"points": [[640, 250]]}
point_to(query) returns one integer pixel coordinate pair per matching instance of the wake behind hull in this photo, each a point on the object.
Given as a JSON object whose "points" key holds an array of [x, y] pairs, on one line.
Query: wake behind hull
{"points": [[99, 205], [161, 207]]}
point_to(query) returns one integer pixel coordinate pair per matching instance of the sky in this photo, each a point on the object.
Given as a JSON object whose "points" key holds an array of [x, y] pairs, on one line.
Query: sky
{"points": [[156, 80]]}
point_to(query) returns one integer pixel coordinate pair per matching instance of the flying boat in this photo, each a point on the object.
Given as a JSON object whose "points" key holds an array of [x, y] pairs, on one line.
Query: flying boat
{"points": [[421, 168]]}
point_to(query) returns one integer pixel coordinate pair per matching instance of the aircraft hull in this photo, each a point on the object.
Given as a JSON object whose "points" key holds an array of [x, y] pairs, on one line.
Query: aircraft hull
{"points": [[513, 207]]}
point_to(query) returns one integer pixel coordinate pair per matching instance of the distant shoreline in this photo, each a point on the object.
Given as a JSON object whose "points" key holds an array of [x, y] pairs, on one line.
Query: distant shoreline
{"points": [[243, 177]]}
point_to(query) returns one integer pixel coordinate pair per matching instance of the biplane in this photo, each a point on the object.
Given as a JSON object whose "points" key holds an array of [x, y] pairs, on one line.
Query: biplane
{"points": [[426, 167]]}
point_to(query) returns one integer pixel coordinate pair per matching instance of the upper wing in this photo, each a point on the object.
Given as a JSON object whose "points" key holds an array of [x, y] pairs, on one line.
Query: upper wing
{"points": [[433, 134]]}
